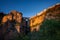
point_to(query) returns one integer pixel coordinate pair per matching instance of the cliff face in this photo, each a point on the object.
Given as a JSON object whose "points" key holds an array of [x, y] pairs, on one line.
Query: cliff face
{"points": [[13, 15], [1, 16], [53, 12], [49, 13], [36, 20]]}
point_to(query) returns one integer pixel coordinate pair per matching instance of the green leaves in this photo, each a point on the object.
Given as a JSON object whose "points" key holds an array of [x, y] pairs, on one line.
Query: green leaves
{"points": [[51, 29]]}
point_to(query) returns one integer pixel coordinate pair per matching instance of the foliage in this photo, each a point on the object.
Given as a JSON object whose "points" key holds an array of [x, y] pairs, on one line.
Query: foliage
{"points": [[50, 30]]}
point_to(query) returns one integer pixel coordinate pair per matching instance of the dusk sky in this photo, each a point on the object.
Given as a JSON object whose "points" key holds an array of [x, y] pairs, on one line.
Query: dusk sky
{"points": [[27, 7]]}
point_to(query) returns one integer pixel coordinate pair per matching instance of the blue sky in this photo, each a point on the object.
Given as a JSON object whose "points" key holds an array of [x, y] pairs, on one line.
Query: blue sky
{"points": [[27, 7]]}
